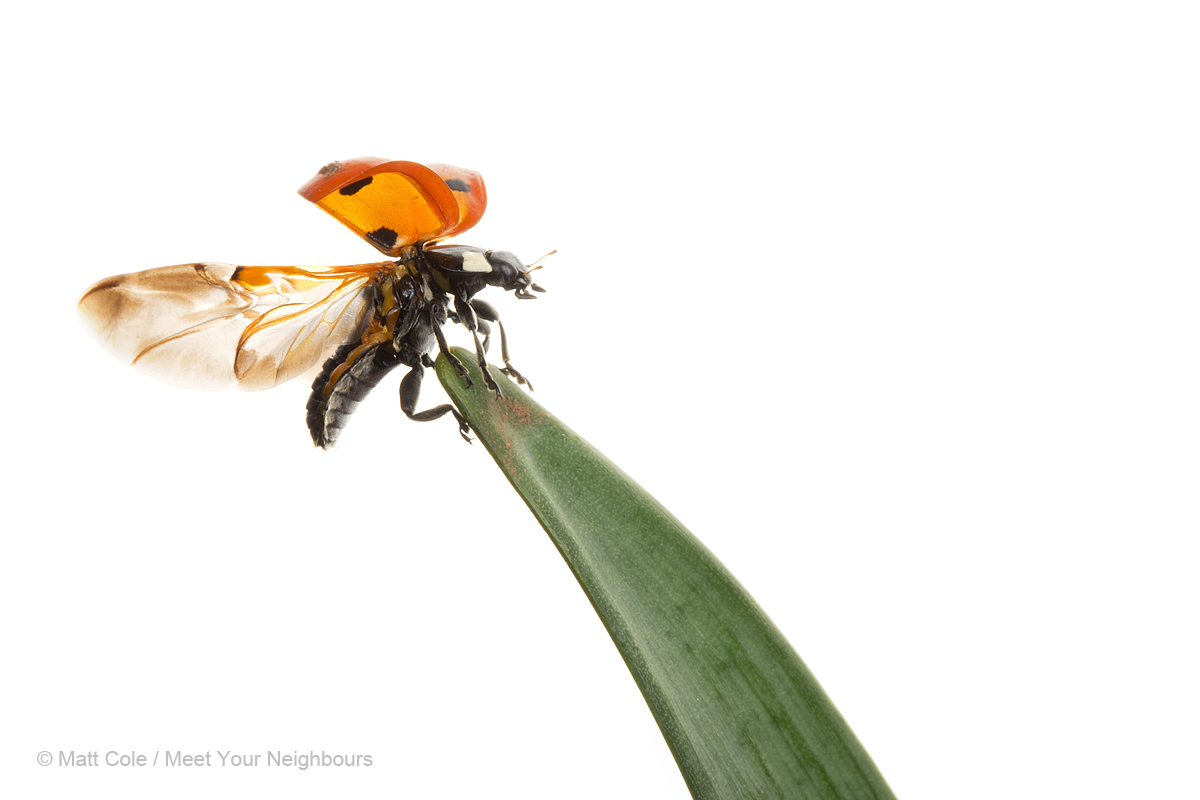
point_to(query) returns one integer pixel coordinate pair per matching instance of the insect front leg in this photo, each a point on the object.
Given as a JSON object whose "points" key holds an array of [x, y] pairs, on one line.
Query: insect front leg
{"points": [[485, 311], [410, 393]]}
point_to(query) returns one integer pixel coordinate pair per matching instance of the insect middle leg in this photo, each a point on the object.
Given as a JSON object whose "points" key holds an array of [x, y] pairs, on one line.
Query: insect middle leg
{"points": [[410, 393], [485, 311], [465, 313], [437, 320]]}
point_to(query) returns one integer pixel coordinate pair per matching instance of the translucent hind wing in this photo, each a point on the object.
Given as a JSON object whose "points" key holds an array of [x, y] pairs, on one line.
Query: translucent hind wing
{"points": [[216, 326]]}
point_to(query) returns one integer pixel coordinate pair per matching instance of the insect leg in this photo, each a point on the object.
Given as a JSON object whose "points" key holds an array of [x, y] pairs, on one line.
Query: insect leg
{"points": [[466, 315], [485, 311], [404, 324], [437, 319], [410, 392], [486, 330]]}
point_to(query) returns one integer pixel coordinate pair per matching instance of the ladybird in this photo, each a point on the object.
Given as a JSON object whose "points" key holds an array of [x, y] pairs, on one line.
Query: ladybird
{"points": [[214, 326]]}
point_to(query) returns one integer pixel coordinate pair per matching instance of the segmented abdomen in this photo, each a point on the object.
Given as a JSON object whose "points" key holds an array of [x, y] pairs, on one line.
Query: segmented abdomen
{"points": [[329, 408]]}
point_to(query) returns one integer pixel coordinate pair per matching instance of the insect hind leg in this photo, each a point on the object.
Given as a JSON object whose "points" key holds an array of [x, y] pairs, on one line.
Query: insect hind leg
{"points": [[410, 393]]}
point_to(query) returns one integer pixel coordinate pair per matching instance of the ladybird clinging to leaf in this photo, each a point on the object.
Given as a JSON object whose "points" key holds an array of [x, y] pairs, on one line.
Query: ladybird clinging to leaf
{"points": [[213, 326]]}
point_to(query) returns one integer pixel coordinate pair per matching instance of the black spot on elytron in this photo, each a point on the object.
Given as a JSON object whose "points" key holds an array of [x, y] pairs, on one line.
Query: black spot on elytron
{"points": [[351, 188], [385, 237], [458, 185]]}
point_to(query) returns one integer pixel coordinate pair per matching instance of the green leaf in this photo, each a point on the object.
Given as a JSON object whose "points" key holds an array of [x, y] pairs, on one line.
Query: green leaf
{"points": [[741, 713]]}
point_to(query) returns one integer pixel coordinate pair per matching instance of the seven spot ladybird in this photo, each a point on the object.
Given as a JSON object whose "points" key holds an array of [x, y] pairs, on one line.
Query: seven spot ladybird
{"points": [[214, 326]]}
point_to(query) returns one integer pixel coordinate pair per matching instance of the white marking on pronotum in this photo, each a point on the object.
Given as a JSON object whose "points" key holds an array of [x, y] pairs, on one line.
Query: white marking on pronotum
{"points": [[475, 261]]}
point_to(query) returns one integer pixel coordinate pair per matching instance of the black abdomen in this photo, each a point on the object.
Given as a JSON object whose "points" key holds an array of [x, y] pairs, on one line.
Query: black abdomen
{"points": [[329, 408]]}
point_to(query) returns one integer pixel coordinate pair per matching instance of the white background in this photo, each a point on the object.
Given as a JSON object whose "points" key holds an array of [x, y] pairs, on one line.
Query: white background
{"points": [[895, 305]]}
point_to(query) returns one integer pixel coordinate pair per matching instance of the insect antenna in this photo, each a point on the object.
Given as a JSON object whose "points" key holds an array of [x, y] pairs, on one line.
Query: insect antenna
{"points": [[532, 266], [525, 295]]}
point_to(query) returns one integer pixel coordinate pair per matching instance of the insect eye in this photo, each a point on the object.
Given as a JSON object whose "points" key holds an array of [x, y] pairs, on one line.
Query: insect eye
{"points": [[506, 268]]}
